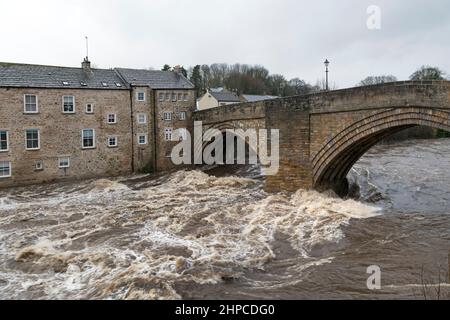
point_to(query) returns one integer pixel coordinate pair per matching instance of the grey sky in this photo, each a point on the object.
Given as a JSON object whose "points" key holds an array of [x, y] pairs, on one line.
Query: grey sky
{"points": [[286, 36]]}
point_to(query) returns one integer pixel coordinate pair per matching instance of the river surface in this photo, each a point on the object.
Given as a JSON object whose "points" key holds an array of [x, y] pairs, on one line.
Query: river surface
{"points": [[218, 235]]}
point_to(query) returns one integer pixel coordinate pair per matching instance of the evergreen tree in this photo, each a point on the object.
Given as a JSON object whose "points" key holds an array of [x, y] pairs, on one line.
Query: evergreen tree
{"points": [[196, 79]]}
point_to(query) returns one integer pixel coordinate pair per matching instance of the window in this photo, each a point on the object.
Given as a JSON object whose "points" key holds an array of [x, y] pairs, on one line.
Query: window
{"points": [[112, 141], [185, 97], [39, 165], [167, 116], [167, 96], [5, 169], [31, 104], [104, 84], [68, 104], [32, 139], [64, 162], [174, 97], [161, 96], [118, 85], [142, 139], [141, 96], [180, 97], [168, 134], [4, 143], [88, 137], [112, 118], [65, 83], [142, 118], [89, 108], [182, 115]]}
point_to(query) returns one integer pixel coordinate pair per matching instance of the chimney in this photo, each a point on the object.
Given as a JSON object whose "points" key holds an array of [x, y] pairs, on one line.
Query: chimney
{"points": [[86, 66], [177, 69]]}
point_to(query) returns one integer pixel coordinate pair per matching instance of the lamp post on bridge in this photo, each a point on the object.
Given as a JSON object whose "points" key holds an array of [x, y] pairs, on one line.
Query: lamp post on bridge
{"points": [[327, 63]]}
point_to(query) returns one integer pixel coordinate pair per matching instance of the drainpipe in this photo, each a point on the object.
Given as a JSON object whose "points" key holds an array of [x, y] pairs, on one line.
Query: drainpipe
{"points": [[132, 129], [154, 144]]}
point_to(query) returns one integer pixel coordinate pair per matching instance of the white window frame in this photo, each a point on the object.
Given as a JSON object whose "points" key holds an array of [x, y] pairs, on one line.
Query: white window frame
{"points": [[168, 116], [92, 108], [139, 139], [180, 96], [93, 139], [110, 145], [174, 97], [185, 97], [7, 141], [139, 118], [65, 166], [39, 140], [74, 105], [25, 103], [162, 96], [183, 116], [10, 170], [139, 93], [168, 134], [36, 165], [115, 118], [168, 96]]}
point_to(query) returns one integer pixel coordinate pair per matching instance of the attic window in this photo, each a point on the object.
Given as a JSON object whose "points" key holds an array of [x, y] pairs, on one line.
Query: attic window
{"points": [[83, 84], [118, 85], [65, 83], [104, 84]]}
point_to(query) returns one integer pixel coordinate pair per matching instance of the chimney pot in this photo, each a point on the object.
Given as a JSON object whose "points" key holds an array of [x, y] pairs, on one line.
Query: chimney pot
{"points": [[86, 66]]}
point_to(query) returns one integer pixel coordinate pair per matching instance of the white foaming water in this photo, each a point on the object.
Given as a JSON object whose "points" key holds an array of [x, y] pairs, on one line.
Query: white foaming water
{"points": [[105, 240]]}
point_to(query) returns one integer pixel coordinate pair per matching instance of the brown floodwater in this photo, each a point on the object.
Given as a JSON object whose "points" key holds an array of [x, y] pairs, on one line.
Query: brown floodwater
{"points": [[215, 234]]}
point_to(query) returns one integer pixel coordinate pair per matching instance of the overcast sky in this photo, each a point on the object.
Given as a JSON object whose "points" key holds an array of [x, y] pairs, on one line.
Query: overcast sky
{"points": [[290, 37]]}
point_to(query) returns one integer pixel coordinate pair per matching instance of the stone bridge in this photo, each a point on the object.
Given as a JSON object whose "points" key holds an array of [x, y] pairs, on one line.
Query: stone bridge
{"points": [[323, 135]]}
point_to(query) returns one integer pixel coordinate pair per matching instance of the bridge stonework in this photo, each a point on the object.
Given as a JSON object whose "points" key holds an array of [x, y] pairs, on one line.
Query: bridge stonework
{"points": [[323, 135]]}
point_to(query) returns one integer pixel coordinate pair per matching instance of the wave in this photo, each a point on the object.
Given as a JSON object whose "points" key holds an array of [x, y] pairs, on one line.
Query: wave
{"points": [[116, 242]]}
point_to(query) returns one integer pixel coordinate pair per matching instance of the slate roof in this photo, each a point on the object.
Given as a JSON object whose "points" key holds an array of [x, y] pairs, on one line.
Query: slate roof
{"points": [[256, 98], [225, 96], [155, 79], [38, 76]]}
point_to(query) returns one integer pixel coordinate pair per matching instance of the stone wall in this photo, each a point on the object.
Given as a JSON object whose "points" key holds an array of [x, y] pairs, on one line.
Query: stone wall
{"points": [[143, 153], [60, 135], [164, 147], [322, 135]]}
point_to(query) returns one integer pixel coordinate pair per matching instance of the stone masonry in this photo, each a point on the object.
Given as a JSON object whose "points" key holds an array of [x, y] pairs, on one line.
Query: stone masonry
{"points": [[323, 135], [109, 93]]}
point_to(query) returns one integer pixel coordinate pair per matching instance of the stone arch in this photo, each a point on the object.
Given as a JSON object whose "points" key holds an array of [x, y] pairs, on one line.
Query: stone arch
{"points": [[331, 165], [224, 128]]}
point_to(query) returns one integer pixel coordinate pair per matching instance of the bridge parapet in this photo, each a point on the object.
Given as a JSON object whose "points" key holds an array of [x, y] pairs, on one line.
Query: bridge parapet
{"points": [[404, 93], [234, 112]]}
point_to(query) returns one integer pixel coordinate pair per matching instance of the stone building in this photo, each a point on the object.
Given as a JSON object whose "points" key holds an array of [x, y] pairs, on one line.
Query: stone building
{"points": [[61, 123], [213, 99]]}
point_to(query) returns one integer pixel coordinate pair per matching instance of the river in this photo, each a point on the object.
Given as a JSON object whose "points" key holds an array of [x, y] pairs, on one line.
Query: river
{"points": [[218, 235]]}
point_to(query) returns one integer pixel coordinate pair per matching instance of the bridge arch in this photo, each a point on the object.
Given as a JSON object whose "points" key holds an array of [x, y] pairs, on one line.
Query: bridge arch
{"points": [[237, 131], [331, 165]]}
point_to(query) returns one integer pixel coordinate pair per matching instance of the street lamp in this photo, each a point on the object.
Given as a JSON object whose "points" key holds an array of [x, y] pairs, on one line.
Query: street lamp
{"points": [[327, 63]]}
